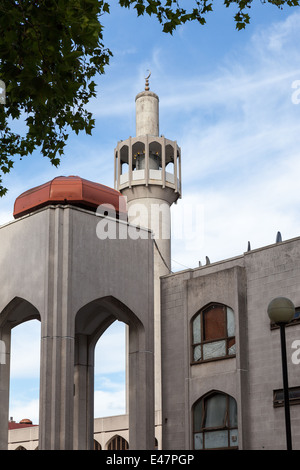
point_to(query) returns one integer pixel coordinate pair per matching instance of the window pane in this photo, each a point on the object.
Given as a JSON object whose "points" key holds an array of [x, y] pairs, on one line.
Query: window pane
{"points": [[198, 441], [215, 349], [215, 439], [214, 323], [294, 393], [197, 330], [198, 413], [230, 322], [215, 411], [233, 438], [279, 395], [232, 413], [197, 353], [231, 346]]}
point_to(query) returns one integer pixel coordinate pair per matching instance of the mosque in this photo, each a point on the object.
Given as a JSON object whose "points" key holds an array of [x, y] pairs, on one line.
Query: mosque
{"points": [[203, 357]]}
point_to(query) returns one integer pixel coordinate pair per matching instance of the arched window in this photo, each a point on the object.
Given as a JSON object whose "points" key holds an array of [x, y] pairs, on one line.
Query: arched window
{"points": [[118, 443], [215, 422], [97, 446], [213, 333]]}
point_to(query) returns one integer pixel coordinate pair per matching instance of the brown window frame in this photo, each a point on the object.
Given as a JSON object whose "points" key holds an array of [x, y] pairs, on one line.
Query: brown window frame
{"points": [[279, 402], [203, 430], [227, 339]]}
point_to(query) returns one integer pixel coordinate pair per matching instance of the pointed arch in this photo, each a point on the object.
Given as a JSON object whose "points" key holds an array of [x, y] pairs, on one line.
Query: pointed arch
{"points": [[17, 311], [91, 322], [97, 445], [214, 418], [117, 442], [96, 316]]}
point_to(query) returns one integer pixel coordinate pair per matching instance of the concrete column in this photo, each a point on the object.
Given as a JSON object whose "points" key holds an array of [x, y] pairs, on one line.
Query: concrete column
{"points": [[118, 168], [57, 341], [83, 394], [175, 168], [141, 397], [163, 162], [147, 160], [115, 169], [147, 113], [56, 394], [5, 335], [130, 162]]}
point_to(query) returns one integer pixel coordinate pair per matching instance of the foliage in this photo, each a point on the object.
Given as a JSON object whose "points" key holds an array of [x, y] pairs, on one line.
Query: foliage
{"points": [[50, 51]]}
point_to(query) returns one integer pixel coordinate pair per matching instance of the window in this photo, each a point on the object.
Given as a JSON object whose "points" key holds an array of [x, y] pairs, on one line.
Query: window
{"points": [[215, 422], [294, 397], [118, 443], [213, 333]]}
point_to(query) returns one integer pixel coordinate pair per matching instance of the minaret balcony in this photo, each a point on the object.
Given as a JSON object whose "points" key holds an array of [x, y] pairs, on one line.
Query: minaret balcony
{"points": [[148, 160], [155, 177]]}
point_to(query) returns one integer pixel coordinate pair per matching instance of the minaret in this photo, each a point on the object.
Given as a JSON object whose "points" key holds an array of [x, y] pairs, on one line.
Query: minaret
{"points": [[148, 173]]}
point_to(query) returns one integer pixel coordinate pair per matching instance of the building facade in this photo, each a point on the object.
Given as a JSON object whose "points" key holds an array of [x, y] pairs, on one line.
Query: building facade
{"points": [[213, 376], [216, 329]]}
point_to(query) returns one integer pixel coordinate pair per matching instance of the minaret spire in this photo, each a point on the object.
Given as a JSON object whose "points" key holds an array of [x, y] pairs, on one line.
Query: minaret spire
{"points": [[147, 111], [147, 88]]}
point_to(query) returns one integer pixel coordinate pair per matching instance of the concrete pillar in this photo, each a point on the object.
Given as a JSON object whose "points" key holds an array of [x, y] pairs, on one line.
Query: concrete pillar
{"points": [[83, 394], [5, 336], [141, 397], [56, 394], [57, 342]]}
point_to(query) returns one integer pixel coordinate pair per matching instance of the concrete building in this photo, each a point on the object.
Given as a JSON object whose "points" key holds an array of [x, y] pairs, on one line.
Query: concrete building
{"points": [[204, 362]]}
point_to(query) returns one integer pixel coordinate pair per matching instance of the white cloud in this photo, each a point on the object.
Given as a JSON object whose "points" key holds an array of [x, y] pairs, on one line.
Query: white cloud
{"points": [[109, 403], [240, 150]]}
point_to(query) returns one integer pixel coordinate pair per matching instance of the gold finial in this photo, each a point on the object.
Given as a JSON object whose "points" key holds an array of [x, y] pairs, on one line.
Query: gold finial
{"points": [[147, 88]]}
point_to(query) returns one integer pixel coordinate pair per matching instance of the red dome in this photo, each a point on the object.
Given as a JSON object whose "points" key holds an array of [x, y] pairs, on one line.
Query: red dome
{"points": [[25, 421], [71, 190]]}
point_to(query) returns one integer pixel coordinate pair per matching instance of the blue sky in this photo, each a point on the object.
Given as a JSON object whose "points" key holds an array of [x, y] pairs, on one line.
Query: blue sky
{"points": [[227, 97]]}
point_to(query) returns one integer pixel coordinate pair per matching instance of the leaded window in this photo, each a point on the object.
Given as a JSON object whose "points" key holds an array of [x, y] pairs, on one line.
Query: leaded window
{"points": [[213, 333]]}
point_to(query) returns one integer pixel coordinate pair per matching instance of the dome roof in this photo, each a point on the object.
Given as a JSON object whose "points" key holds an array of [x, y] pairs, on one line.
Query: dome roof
{"points": [[71, 190], [25, 421]]}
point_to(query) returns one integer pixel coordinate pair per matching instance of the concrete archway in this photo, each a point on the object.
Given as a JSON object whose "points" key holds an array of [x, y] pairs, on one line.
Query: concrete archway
{"points": [[17, 311], [90, 323], [63, 267]]}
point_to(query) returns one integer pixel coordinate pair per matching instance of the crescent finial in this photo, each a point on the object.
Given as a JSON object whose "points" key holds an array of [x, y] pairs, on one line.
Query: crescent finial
{"points": [[147, 81]]}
